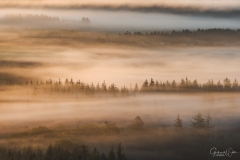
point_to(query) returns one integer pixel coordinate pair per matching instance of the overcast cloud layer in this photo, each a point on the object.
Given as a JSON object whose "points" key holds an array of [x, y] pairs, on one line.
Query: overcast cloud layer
{"points": [[210, 8]]}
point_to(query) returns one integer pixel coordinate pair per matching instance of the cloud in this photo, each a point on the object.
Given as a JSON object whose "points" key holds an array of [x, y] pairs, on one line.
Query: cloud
{"points": [[228, 12], [18, 64]]}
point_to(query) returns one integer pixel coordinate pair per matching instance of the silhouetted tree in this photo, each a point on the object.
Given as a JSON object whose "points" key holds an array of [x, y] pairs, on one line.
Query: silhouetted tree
{"points": [[120, 154], [152, 83], [227, 83], [219, 86], [103, 156], [138, 123], [104, 87], [95, 155], [136, 89], [145, 85], [208, 124], [111, 154], [235, 84], [178, 123], [49, 153], [174, 84], [198, 122]]}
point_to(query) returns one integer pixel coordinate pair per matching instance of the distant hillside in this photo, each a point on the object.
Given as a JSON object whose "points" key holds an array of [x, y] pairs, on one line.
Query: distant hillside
{"points": [[19, 17], [41, 21]]}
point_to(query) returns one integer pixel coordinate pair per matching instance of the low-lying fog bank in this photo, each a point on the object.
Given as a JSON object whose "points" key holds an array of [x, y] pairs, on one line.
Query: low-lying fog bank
{"points": [[155, 109]]}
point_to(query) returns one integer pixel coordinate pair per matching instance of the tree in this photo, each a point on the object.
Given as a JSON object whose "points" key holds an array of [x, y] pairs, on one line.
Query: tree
{"points": [[209, 126], [113, 89], [202, 124], [145, 85], [104, 87], [84, 152], [111, 154], [138, 123], [110, 128], [49, 152], [92, 88], [98, 89], [135, 90], [178, 123], [59, 81], [95, 155], [195, 84], [71, 81], [103, 156], [174, 84], [235, 84], [66, 81], [227, 83], [120, 154], [198, 122], [219, 85], [182, 83], [152, 83]]}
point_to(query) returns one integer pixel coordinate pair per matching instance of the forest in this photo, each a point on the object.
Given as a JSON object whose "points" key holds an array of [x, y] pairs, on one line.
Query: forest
{"points": [[78, 87], [61, 150]]}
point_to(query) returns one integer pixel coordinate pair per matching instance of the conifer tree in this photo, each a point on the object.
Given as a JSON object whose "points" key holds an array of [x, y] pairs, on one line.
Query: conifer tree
{"points": [[198, 122], [178, 123], [145, 84], [95, 154], [227, 83], [138, 123], [152, 83], [103, 156], [111, 154], [209, 126], [49, 153], [136, 88], [120, 154]]}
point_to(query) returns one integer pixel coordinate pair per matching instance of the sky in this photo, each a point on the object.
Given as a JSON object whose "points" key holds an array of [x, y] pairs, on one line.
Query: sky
{"points": [[196, 3]]}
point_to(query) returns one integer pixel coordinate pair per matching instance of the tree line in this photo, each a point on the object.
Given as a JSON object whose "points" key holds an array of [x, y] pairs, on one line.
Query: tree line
{"points": [[61, 150], [186, 85], [187, 32], [198, 123], [77, 87], [35, 17]]}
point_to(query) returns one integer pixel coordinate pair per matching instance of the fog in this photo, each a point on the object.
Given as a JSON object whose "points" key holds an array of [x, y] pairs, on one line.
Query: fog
{"points": [[119, 21], [157, 109], [121, 66], [118, 64], [125, 66], [87, 81]]}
